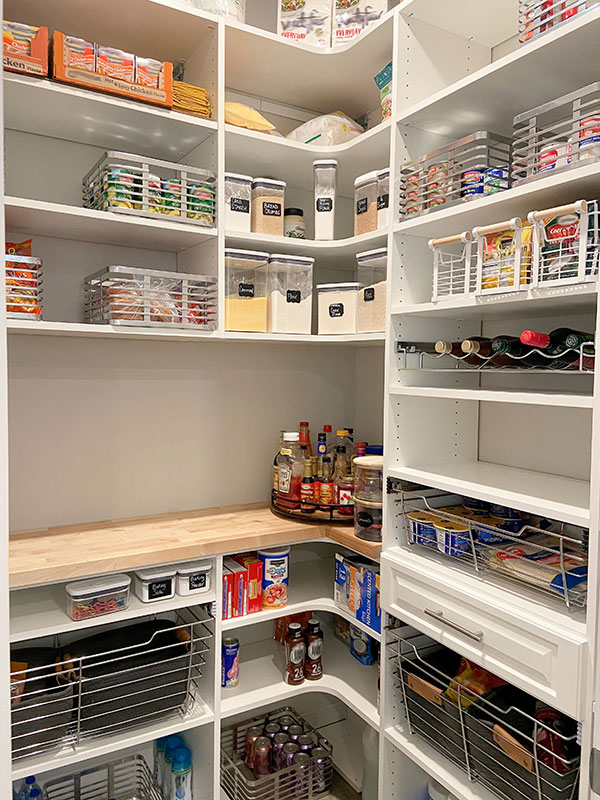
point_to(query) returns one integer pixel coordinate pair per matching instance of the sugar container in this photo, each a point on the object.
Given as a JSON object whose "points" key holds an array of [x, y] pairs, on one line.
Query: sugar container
{"points": [[337, 307], [365, 203], [238, 194], [325, 173], [97, 596], [267, 206], [289, 294], [245, 290], [371, 301], [193, 578]]}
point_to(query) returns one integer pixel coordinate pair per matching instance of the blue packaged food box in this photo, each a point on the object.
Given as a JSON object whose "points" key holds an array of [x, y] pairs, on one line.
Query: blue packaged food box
{"points": [[369, 610], [356, 589], [361, 646]]}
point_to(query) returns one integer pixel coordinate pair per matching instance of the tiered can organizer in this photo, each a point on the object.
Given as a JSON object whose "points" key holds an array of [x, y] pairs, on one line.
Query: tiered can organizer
{"points": [[333, 514]]}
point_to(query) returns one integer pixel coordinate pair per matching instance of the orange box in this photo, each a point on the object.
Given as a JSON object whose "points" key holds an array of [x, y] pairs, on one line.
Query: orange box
{"points": [[115, 74], [25, 48]]}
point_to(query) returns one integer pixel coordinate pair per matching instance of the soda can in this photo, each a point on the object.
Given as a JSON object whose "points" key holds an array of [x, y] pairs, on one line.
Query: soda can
{"points": [[286, 722], [279, 741], [305, 743], [252, 734], [303, 775], [294, 731], [322, 770], [230, 662], [262, 757], [271, 730], [289, 752]]}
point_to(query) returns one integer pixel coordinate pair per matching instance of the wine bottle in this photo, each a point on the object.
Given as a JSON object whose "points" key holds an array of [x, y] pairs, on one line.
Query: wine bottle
{"points": [[521, 355], [481, 348], [564, 342], [455, 349]]}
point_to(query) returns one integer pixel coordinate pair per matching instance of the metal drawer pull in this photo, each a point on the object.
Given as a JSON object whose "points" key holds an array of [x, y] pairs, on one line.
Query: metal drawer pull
{"points": [[439, 615]]}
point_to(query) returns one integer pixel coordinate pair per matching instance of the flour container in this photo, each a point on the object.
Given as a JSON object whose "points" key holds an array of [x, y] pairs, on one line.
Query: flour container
{"points": [[268, 206], [365, 203], [325, 172], [238, 194], [289, 294], [337, 307], [371, 301], [245, 290]]}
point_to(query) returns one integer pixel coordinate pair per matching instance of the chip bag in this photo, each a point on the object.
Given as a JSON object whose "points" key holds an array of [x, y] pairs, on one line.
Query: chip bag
{"points": [[476, 680]]}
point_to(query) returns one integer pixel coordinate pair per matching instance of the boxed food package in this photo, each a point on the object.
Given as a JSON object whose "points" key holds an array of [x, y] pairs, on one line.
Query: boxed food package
{"points": [[227, 593], [115, 63], [357, 590], [383, 81], [361, 646], [240, 586], [305, 21], [255, 573], [24, 48], [80, 53], [351, 17]]}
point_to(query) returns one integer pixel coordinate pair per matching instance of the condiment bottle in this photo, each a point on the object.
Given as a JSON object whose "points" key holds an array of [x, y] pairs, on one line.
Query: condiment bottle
{"points": [[305, 436], [313, 667], [307, 489], [289, 472], [275, 467], [295, 653], [325, 485]]}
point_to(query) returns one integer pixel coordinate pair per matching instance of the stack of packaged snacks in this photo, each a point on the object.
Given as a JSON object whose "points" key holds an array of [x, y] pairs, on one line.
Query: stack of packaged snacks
{"points": [[25, 48], [23, 275]]}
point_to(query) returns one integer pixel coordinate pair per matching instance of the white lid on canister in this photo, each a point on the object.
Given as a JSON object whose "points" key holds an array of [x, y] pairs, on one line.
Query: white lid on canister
{"points": [[368, 177], [194, 567], [101, 585], [301, 261], [156, 573], [325, 162], [383, 173], [268, 183], [246, 255], [275, 551], [342, 287], [372, 255], [234, 176], [369, 462]]}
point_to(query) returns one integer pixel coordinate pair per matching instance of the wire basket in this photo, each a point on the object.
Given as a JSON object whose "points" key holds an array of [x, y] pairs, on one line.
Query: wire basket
{"points": [[62, 695], [128, 778], [150, 298], [504, 257], [557, 136], [453, 267], [126, 183], [298, 782], [540, 16], [23, 287], [471, 167], [499, 738], [534, 552]]}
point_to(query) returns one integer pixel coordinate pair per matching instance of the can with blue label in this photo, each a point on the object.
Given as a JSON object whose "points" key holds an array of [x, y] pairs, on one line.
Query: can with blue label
{"points": [[453, 539], [495, 179], [472, 182], [422, 528], [230, 662], [275, 577]]}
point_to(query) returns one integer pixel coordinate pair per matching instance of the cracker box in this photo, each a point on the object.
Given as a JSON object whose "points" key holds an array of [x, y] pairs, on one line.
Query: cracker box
{"points": [[25, 48], [307, 22], [240, 586], [255, 574]]}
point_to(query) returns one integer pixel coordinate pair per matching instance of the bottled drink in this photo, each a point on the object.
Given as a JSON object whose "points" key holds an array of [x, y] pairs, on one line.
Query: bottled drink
{"points": [[173, 743], [181, 775], [564, 342], [313, 667], [305, 436], [343, 484], [456, 349], [279, 742], [325, 485], [159, 759], [522, 354], [322, 444], [289, 472], [350, 433], [27, 787], [307, 489], [275, 467], [342, 440], [359, 448], [327, 430], [481, 348], [295, 653]]}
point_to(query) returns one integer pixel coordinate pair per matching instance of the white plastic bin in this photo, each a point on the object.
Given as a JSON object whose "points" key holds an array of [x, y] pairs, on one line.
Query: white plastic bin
{"points": [[337, 307], [289, 294], [325, 179], [157, 583], [365, 203], [97, 596]]}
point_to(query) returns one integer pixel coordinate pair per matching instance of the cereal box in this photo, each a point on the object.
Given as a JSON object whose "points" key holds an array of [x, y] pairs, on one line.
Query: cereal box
{"points": [[240, 586], [255, 575], [147, 71]]}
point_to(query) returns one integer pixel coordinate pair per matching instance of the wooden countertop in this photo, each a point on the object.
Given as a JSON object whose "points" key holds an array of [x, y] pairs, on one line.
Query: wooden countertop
{"points": [[50, 555]]}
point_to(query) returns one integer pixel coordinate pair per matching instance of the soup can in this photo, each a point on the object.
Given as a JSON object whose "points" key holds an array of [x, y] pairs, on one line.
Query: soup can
{"points": [[275, 577], [452, 538], [230, 662]]}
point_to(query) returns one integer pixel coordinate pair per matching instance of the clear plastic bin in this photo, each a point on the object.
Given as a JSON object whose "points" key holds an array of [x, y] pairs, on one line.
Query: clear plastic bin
{"points": [[156, 583], [383, 198], [365, 203], [367, 520], [268, 206], [246, 290], [368, 478], [325, 177], [238, 195], [97, 596], [194, 578], [337, 307], [371, 303], [289, 292]]}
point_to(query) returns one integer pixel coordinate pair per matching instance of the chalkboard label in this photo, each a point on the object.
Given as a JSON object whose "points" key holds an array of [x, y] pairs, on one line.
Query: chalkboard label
{"points": [[272, 209], [158, 589], [324, 204], [336, 310], [198, 581], [364, 519], [293, 296], [383, 201], [369, 294], [239, 204], [362, 205], [246, 290]]}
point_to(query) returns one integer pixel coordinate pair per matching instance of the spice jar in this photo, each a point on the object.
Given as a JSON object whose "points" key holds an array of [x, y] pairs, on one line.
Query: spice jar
{"points": [[238, 194], [383, 198], [289, 293], [245, 290], [365, 203], [325, 171], [267, 206], [337, 307], [371, 302], [293, 223]]}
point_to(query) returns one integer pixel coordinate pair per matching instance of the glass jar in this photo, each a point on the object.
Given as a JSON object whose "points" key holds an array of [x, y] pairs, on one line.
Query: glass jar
{"points": [[325, 173], [365, 203], [267, 206], [368, 478], [293, 223], [383, 198], [245, 291], [371, 303], [238, 194], [289, 294]]}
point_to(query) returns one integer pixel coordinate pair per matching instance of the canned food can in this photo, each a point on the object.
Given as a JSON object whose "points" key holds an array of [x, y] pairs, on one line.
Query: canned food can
{"points": [[589, 138], [472, 182], [230, 662], [262, 757], [485, 529], [305, 743], [437, 171], [275, 577], [303, 776], [154, 194], [475, 503], [422, 530], [200, 203], [279, 741], [413, 210], [554, 155], [119, 187], [252, 734], [289, 752], [452, 538], [286, 722], [495, 179], [434, 202], [498, 510]]}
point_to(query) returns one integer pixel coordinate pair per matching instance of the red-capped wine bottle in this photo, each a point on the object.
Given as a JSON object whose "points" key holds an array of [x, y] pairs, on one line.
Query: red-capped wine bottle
{"points": [[564, 342]]}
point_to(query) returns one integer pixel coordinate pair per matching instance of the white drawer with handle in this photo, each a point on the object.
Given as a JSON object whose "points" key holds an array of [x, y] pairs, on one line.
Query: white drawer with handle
{"points": [[538, 647]]}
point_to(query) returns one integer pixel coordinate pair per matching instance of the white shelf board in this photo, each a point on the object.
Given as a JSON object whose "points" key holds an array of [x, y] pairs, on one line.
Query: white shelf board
{"points": [[292, 162], [261, 680], [563, 399], [41, 218], [310, 589], [579, 182], [201, 714], [465, 18], [544, 300], [42, 611], [437, 765], [84, 330], [44, 107], [338, 252], [565, 499], [490, 97], [319, 79]]}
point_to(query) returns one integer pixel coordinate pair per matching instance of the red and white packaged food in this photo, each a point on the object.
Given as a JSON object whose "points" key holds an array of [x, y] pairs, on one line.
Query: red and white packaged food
{"points": [[115, 63]]}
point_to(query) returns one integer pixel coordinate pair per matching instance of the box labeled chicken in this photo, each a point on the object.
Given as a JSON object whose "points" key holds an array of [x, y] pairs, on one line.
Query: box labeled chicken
{"points": [[305, 21]]}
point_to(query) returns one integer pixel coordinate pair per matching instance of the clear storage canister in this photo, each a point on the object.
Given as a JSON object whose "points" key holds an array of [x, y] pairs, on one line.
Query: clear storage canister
{"points": [[337, 307], [245, 290], [365, 203], [238, 194], [268, 206], [289, 293], [383, 198], [325, 172], [368, 478], [372, 276]]}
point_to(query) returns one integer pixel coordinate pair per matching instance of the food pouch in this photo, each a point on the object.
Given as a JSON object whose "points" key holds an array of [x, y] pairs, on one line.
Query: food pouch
{"points": [[499, 256], [560, 247], [115, 63], [17, 38], [147, 71], [307, 21], [351, 17], [80, 53], [476, 680]]}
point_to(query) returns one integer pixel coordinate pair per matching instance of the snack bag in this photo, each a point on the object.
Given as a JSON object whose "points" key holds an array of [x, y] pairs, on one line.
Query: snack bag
{"points": [[306, 21], [499, 255], [17, 38], [79, 53], [560, 247], [147, 71], [476, 680], [115, 63]]}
